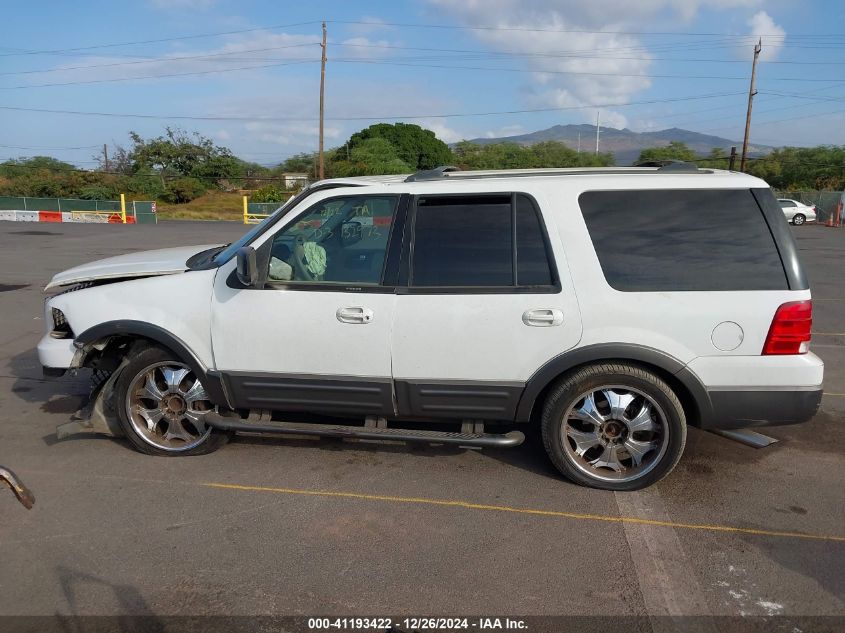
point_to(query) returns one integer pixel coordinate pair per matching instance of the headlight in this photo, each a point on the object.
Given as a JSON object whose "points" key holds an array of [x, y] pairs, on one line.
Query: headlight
{"points": [[61, 328]]}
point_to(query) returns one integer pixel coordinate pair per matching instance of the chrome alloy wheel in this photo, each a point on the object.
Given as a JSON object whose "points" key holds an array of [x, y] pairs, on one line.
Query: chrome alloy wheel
{"points": [[166, 405], [614, 433]]}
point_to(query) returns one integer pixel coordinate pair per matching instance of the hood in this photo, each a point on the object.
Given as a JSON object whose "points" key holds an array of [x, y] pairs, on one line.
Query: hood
{"points": [[165, 261]]}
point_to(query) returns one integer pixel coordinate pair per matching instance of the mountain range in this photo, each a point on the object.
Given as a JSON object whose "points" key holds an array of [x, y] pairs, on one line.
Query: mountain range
{"points": [[625, 144]]}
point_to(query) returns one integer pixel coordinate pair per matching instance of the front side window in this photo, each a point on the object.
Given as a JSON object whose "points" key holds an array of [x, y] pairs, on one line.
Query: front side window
{"points": [[339, 240], [481, 241]]}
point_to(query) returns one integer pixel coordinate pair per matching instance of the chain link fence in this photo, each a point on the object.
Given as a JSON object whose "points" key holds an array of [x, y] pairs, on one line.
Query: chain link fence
{"points": [[825, 201], [76, 210], [57, 204]]}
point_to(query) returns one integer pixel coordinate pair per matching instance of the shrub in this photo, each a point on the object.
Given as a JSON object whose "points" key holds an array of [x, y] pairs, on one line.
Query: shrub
{"points": [[183, 190], [269, 193]]}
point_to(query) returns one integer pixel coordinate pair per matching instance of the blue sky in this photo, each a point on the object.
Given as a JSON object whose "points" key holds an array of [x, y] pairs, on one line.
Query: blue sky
{"points": [[679, 63]]}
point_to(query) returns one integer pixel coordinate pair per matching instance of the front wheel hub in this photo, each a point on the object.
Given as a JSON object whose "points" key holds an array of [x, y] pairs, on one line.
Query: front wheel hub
{"points": [[166, 405]]}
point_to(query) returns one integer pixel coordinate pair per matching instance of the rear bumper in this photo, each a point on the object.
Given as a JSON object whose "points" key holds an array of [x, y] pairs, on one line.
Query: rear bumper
{"points": [[743, 409]]}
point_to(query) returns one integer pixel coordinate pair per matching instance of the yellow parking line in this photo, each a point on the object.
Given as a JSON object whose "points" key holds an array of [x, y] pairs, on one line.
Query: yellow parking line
{"points": [[828, 333], [827, 393], [551, 513]]}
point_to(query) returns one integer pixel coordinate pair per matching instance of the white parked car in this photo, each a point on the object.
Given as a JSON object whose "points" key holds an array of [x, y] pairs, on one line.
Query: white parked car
{"points": [[797, 212], [456, 307]]}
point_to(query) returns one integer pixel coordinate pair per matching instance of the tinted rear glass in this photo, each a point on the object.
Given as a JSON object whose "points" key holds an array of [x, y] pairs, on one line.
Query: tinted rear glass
{"points": [[664, 240]]}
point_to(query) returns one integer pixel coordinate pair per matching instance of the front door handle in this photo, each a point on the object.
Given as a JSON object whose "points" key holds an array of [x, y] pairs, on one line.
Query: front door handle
{"points": [[542, 317], [354, 315]]}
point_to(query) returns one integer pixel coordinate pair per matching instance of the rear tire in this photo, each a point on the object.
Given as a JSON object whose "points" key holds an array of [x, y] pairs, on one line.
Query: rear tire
{"points": [[613, 426], [798, 219], [161, 403]]}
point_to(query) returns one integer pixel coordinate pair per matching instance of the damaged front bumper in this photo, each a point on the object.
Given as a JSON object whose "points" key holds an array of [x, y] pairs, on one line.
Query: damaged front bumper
{"points": [[98, 415]]}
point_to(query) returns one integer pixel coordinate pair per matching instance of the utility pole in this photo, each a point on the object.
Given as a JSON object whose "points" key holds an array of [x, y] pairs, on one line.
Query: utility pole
{"points": [[598, 127], [732, 163], [105, 157], [322, 168], [751, 92], [579, 142]]}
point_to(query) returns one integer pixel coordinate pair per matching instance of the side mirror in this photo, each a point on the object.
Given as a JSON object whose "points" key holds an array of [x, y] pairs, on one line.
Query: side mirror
{"points": [[247, 266], [351, 232]]}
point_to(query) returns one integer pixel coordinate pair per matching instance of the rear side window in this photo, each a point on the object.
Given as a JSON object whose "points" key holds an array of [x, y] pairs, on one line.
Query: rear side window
{"points": [[671, 240], [492, 241]]}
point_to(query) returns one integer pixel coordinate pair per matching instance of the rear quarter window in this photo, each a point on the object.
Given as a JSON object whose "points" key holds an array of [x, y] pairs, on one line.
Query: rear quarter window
{"points": [[682, 240]]}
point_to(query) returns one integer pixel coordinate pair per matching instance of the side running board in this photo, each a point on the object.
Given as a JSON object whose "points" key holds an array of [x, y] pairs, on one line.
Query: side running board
{"points": [[476, 440]]}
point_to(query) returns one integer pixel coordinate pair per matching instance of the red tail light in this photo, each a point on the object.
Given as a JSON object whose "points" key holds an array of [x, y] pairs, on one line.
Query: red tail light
{"points": [[790, 329]]}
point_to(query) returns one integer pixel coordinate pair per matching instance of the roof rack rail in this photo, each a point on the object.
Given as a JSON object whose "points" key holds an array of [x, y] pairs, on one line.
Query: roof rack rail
{"points": [[676, 166], [432, 174]]}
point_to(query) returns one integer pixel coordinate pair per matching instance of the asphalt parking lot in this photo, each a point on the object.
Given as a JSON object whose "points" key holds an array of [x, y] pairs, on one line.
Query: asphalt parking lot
{"points": [[304, 527]]}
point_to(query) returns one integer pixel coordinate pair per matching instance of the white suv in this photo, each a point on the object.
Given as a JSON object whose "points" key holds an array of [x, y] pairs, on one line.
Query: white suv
{"points": [[610, 307]]}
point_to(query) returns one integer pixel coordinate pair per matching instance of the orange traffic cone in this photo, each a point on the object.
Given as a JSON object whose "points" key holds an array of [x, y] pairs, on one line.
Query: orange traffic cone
{"points": [[833, 218]]}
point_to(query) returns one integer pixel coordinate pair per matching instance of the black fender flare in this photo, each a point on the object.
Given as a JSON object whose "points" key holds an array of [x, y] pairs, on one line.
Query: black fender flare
{"points": [[603, 352], [141, 329]]}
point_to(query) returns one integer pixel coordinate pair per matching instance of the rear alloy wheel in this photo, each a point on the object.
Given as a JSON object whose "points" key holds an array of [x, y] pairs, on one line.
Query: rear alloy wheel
{"points": [[614, 426], [162, 406], [798, 219]]}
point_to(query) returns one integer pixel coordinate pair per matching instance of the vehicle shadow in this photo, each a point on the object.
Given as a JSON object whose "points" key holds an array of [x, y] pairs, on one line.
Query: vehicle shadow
{"points": [[56, 395], [134, 614]]}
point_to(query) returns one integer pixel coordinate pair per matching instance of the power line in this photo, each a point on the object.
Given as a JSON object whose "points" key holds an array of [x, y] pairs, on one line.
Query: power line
{"points": [[548, 30], [369, 118], [734, 36], [411, 65], [52, 149], [575, 72], [160, 40], [160, 76], [154, 60], [575, 54]]}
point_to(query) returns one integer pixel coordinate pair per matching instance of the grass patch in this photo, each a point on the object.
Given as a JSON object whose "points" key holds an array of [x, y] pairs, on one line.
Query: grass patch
{"points": [[214, 205]]}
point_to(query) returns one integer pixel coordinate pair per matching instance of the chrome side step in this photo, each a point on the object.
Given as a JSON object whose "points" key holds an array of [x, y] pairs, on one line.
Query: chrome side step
{"points": [[475, 440], [746, 436]]}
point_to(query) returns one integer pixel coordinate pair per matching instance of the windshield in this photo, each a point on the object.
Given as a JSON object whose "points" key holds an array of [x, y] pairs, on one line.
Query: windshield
{"points": [[229, 252]]}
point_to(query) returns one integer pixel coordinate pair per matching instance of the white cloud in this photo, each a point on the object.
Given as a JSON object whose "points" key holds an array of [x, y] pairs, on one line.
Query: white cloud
{"points": [[345, 98], [772, 35], [564, 40], [507, 130], [258, 50], [441, 130], [367, 24]]}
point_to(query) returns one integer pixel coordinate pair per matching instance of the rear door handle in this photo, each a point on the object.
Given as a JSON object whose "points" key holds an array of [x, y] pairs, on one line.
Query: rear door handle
{"points": [[542, 317], [355, 315]]}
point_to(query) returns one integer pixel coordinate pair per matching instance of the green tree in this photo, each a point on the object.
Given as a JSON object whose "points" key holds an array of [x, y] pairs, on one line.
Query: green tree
{"points": [[415, 146], [821, 167], [674, 151], [178, 153], [373, 156], [181, 190]]}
